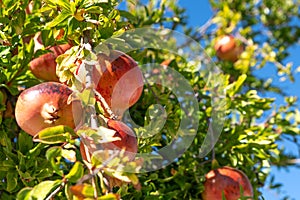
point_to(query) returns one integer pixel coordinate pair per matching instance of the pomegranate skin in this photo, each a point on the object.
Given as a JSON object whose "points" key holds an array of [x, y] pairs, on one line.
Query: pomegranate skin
{"points": [[228, 49], [44, 67], [120, 81], [128, 138], [47, 105], [226, 180]]}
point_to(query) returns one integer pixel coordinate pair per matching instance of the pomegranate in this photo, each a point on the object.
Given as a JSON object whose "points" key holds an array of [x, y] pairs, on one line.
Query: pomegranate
{"points": [[227, 181], [228, 49], [120, 81], [128, 137], [45, 105], [128, 141], [44, 67]]}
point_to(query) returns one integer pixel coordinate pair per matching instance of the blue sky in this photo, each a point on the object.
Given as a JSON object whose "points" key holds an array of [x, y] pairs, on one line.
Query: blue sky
{"points": [[199, 12]]}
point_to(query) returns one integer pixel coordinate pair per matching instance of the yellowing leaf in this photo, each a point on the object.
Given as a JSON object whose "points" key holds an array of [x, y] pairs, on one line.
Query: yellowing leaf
{"points": [[69, 155], [82, 190], [79, 15], [75, 173], [24, 194], [233, 88], [54, 135], [40, 191], [109, 197], [59, 19]]}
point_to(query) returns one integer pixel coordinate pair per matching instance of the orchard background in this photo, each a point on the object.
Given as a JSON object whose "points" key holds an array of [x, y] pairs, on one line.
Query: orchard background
{"points": [[53, 166]]}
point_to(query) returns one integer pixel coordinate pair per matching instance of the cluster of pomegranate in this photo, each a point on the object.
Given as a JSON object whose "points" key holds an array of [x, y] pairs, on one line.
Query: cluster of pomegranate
{"points": [[118, 80]]}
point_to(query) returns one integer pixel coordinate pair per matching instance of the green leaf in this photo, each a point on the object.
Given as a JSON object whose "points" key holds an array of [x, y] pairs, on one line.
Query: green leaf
{"points": [[54, 135], [75, 173], [109, 197], [41, 191], [24, 142], [12, 181], [134, 179], [120, 175], [24, 194], [114, 14], [69, 154], [59, 19], [52, 155], [86, 96], [62, 3], [6, 165], [98, 1], [72, 7], [5, 141], [94, 9], [233, 88], [73, 25], [53, 152], [47, 37], [128, 15]]}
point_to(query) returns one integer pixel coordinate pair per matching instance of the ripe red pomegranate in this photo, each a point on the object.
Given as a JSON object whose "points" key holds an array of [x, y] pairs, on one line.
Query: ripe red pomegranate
{"points": [[128, 141], [44, 67], [226, 180], [228, 49], [120, 81], [128, 137], [45, 105]]}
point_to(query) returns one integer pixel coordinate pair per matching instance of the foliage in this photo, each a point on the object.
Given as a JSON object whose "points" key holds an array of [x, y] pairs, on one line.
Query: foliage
{"points": [[52, 166]]}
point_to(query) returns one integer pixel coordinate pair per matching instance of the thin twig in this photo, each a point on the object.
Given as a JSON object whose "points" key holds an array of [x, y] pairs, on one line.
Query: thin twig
{"points": [[205, 26], [88, 157], [55, 191], [97, 170], [205, 162], [89, 85]]}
